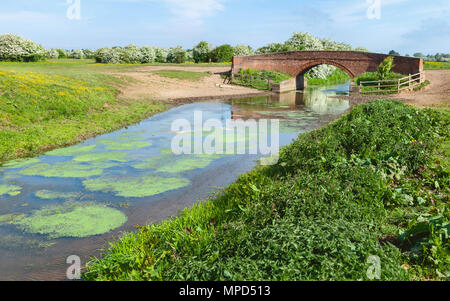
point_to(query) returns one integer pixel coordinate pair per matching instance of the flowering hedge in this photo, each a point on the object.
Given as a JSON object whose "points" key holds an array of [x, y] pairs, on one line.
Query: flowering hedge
{"points": [[15, 48]]}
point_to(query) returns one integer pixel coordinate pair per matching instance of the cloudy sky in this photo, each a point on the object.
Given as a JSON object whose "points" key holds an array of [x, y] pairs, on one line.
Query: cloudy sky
{"points": [[406, 26]]}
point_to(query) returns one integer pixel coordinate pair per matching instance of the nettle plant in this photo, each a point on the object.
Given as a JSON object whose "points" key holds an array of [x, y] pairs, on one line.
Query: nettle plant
{"points": [[15, 48]]}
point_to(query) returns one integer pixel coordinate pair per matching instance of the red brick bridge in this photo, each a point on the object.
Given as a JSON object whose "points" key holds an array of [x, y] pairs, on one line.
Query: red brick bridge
{"points": [[297, 63]]}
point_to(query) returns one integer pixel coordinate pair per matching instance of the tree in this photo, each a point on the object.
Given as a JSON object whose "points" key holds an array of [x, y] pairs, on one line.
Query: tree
{"points": [[222, 54], [418, 54], [177, 55], [201, 52], [393, 52], [242, 50], [362, 49], [274, 48], [385, 67]]}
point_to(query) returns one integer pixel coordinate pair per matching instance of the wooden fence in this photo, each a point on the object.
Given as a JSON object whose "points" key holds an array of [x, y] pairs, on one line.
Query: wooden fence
{"points": [[391, 85]]}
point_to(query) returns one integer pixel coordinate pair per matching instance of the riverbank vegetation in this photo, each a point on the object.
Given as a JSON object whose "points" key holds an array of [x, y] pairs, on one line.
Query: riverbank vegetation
{"points": [[436, 65], [373, 183], [259, 79], [338, 76], [45, 105]]}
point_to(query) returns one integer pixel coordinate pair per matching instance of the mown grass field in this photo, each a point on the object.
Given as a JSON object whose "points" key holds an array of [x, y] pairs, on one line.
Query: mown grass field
{"points": [[373, 183], [51, 104]]}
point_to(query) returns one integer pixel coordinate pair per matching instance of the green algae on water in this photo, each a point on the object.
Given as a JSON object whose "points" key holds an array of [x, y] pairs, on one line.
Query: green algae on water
{"points": [[135, 187], [50, 195], [72, 150], [14, 242], [124, 143], [63, 170], [189, 162], [71, 220], [19, 163], [106, 156], [11, 190]]}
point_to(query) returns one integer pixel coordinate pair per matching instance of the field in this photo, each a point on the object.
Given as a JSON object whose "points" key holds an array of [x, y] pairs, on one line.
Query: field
{"points": [[53, 104], [436, 65], [373, 183]]}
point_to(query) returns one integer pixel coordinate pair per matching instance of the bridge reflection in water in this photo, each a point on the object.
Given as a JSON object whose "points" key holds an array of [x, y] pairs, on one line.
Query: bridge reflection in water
{"points": [[317, 99]]}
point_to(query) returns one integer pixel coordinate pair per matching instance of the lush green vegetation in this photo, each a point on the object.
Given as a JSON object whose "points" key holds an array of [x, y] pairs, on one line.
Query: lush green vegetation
{"points": [[45, 105], [183, 75], [337, 77], [259, 79], [422, 85], [436, 65], [374, 182]]}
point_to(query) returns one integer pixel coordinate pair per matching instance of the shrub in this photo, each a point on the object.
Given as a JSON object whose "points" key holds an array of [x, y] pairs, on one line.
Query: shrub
{"points": [[148, 54], [52, 54], [62, 53], [201, 52], [242, 50], [274, 48], [88, 53], [15, 48], [107, 55], [385, 67], [161, 55], [77, 54], [176, 55], [131, 54], [222, 54]]}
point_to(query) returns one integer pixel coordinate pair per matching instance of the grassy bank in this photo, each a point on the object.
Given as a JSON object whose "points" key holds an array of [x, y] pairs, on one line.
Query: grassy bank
{"points": [[337, 77], [258, 79], [52, 104], [374, 182]]}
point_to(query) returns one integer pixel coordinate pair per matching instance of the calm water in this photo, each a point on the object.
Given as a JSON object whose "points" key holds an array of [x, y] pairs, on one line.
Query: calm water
{"points": [[71, 201]]}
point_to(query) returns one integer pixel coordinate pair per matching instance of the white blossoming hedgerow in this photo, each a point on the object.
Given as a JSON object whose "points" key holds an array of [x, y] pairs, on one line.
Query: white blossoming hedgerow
{"points": [[15, 48]]}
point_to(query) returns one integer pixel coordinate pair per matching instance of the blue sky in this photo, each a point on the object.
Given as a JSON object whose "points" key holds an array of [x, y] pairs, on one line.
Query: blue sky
{"points": [[406, 26]]}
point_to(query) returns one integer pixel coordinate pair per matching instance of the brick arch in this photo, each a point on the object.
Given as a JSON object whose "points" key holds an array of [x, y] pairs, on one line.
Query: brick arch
{"points": [[296, 63], [308, 66]]}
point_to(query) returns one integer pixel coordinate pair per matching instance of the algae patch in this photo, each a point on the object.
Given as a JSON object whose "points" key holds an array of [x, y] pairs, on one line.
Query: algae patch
{"points": [[14, 242], [135, 187], [72, 150], [185, 164], [124, 143], [20, 163], [50, 195], [63, 170], [10, 190], [106, 156], [71, 220]]}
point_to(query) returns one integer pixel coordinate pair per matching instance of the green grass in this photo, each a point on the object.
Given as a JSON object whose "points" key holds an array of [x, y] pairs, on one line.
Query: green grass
{"points": [[182, 75], [51, 104], [422, 85], [337, 77], [370, 183], [259, 78], [436, 65]]}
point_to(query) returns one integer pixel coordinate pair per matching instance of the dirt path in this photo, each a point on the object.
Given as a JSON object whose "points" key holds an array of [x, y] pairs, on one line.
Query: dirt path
{"points": [[147, 85], [437, 93]]}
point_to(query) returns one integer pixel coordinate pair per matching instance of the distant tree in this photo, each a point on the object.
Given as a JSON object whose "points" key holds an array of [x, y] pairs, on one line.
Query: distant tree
{"points": [[407, 55], [393, 52], [222, 53], [242, 50], [61, 53], [201, 52], [274, 48], [418, 54], [176, 55], [362, 49]]}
